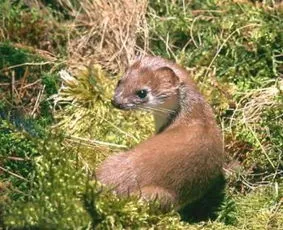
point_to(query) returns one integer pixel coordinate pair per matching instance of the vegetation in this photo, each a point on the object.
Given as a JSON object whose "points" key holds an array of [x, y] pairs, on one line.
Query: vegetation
{"points": [[59, 64]]}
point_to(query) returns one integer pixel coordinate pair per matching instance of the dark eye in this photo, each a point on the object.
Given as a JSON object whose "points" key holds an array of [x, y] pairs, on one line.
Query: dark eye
{"points": [[141, 93], [119, 82]]}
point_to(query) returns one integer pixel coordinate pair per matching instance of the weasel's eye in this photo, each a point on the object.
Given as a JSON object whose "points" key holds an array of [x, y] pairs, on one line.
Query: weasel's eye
{"points": [[141, 93]]}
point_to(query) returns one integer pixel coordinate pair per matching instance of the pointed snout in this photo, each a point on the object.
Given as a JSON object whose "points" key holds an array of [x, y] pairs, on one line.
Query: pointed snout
{"points": [[116, 104]]}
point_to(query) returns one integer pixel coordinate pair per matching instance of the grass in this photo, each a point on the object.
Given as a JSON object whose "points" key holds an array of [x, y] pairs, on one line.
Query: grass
{"points": [[57, 123]]}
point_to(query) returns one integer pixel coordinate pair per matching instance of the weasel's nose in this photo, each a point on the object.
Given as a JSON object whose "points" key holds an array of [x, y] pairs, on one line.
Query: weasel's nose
{"points": [[116, 104]]}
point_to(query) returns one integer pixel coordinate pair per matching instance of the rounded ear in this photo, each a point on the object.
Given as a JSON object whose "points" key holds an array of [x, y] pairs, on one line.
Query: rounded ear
{"points": [[167, 75]]}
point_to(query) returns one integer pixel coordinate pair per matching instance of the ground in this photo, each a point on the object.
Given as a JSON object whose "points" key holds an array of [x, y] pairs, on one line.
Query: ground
{"points": [[59, 64]]}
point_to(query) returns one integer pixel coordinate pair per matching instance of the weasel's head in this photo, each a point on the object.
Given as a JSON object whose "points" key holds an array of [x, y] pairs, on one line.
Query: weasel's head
{"points": [[145, 88]]}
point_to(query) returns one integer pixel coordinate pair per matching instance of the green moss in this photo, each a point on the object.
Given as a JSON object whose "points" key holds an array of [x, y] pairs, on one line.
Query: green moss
{"points": [[12, 56], [32, 26], [87, 97], [237, 41], [234, 51], [54, 199], [16, 154]]}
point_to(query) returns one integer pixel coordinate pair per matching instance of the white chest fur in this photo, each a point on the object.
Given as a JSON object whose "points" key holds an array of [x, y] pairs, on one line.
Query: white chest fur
{"points": [[163, 111]]}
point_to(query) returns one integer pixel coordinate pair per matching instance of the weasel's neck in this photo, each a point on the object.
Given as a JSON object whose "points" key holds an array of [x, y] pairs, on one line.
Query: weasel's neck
{"points": [[186, 104], [167, 114]]}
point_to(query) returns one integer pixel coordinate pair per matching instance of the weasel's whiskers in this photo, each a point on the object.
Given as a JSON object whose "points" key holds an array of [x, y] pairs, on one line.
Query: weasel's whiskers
{"points": [[149, 109], [161, 110]]}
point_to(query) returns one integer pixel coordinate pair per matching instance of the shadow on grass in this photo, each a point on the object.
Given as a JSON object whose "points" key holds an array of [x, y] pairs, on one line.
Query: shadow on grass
{"points": [[207, 207]]}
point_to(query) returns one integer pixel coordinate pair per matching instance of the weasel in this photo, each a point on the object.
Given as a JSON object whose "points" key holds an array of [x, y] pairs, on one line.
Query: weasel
{"points": [[184, 159]]}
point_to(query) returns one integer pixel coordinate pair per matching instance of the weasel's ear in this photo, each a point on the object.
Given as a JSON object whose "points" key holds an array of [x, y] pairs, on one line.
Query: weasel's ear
{"points": [[167, 76]]}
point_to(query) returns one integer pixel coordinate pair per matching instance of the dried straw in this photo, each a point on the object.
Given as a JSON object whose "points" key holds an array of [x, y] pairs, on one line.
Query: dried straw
{"points": [[107, 32]]}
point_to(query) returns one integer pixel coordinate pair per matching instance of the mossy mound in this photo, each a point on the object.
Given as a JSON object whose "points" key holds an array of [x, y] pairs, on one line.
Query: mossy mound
{"points": [[56, 126]]}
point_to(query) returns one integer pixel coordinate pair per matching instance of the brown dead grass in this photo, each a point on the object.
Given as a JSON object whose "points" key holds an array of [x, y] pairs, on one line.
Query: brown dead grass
{"points": [[107, 32], [25, 92]]}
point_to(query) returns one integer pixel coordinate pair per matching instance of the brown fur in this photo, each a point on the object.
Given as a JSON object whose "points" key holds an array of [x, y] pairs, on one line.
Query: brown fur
{"points": [[184, 159]]}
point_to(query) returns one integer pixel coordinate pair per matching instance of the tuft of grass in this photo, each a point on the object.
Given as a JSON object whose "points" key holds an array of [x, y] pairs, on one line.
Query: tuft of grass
{"points": [[266, 211], [106, 33], [87, 97]]}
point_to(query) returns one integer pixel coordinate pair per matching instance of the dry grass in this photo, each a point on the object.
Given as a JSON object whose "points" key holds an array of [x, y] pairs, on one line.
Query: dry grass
{"points": [[107, 32], [253, 103], [24, 94], [249, 138]]}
